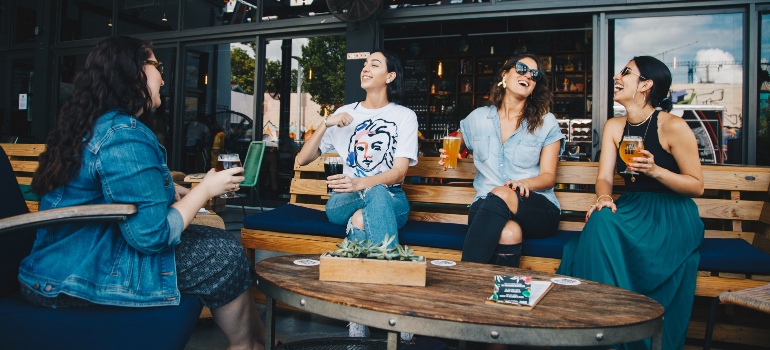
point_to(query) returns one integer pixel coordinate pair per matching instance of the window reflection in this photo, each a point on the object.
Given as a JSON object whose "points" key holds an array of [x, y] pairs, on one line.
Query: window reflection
{"points": [[704, 54], [205, 13], [763, 129], [136, 17], [86, 19]]}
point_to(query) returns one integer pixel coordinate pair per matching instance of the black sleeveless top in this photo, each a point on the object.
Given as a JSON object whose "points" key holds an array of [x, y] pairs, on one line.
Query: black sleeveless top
{"points": [[663, 159]]}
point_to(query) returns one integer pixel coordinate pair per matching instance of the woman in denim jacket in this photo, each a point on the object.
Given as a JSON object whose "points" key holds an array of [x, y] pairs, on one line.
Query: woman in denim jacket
{"points": [[99, 152], [516, 143], [377, 139]]}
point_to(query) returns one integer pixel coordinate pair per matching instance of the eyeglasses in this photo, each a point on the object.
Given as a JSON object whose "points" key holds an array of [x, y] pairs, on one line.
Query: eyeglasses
{"points": [[522, 69], [626, 70], [158, 65]]}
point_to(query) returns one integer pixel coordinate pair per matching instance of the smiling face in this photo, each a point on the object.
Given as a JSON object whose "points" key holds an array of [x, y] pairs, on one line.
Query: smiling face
{"points": [[375, 74], [370, 150], [518, 84], [628, 84], [154, 81]]}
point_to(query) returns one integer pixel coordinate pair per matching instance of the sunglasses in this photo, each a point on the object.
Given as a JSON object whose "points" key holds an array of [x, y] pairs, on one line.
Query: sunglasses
{"points": [[627, 70], [158, 65], [522, 69]]}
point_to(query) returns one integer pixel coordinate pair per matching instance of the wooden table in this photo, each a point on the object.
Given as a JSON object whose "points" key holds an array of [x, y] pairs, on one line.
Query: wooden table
{"points": [[452, 305]]}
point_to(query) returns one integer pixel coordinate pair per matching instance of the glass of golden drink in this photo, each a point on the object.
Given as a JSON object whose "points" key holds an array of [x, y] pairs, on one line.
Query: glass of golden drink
{"points": [[452, 148], [628, 149], [227, 161]]}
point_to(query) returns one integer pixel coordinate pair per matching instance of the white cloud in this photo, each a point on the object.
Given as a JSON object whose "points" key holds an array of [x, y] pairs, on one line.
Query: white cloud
{"points": [[709, 71]]}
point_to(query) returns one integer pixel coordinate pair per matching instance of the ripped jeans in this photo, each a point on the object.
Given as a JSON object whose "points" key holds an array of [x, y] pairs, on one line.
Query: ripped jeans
{"points": [[385, 210]]}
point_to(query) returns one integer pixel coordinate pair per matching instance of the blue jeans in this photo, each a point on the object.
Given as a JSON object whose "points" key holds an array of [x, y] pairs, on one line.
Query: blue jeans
{"points": [[385, 210]]}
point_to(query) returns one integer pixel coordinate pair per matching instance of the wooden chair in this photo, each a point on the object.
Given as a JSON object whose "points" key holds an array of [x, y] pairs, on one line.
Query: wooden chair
{"points": [[752, 298], [26, 326]]}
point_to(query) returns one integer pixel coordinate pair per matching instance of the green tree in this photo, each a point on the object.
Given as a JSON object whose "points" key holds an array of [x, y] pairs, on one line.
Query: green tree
{"points": [[242, 72], [325, 55]]}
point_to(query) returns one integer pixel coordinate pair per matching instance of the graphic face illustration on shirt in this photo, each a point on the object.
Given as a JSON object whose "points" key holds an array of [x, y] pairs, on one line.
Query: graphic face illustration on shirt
{"points": [[372, 146]]}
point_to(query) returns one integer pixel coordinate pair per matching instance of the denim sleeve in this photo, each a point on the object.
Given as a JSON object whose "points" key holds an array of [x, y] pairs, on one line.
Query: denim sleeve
{"points": [[551, 126], [130, 169]]}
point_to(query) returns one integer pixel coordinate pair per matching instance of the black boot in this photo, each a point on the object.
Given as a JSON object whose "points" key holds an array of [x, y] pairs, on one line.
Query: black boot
{"points": [[507, 255]]}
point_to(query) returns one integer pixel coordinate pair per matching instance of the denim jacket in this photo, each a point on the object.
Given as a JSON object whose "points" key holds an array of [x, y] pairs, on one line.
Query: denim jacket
{"points": [[126, 264], [517, 159]]}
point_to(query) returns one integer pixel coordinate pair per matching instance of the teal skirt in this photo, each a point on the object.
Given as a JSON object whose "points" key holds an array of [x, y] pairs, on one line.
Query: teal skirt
{"points": [[649, 246]]}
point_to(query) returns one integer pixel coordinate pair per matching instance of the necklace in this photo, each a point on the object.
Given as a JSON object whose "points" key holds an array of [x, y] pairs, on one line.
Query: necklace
{"points": [[628, 133]]}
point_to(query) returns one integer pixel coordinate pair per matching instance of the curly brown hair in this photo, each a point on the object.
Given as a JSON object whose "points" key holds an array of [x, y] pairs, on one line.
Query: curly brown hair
{"points": [[538, 103], [113, 77]]}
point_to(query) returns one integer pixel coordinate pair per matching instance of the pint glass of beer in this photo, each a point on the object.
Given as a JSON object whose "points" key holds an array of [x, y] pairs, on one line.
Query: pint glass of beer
{"points": [[332, 166], [452, 148], [628, 147], [227, 161]]}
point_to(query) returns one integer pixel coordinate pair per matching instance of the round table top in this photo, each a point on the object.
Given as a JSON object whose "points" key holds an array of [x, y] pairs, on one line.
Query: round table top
{"points": [[459, 293]]}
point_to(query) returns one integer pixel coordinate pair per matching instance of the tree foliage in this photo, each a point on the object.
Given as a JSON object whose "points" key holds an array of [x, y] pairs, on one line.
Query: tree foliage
{"points": [[325, 55], [242, 72]]}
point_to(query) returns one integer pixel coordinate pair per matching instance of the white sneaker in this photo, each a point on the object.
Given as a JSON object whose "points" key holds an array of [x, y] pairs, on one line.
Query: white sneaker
{"points": [[357, 330], [406, 336]]}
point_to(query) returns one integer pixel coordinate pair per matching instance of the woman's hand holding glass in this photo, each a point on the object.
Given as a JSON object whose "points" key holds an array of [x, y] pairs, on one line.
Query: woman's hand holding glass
{"points": [[342, 183], [221, 182], [644, 163]]}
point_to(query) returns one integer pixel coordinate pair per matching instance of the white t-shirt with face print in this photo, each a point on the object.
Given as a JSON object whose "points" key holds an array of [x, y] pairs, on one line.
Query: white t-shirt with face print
{"points": [[374, 139]]}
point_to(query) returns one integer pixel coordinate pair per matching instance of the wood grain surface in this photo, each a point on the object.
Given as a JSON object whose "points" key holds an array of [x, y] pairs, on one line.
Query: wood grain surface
{"points": [[458, 294]]}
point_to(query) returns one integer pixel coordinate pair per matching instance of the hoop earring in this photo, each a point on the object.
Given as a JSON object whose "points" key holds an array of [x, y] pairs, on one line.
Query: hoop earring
{"points": [[634, 99]]}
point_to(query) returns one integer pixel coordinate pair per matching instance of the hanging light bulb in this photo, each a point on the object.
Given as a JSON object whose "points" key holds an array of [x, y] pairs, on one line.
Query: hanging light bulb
{"points": [[109, 24], [310, 74], [164, 19], [440, 69]]}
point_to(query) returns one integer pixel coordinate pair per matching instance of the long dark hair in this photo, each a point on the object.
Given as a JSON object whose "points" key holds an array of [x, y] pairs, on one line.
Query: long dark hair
{"points": [[113, 77], [538, 103], [395, 87], [651, 68]]}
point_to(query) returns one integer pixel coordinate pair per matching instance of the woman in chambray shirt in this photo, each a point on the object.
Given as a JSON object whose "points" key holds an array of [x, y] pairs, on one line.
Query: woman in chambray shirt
{"points": [[100, 153], [516, 144]]}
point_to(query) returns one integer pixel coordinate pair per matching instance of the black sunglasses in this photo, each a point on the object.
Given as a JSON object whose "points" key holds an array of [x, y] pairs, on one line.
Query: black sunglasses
{"points": [[522, 69], [158, 65], [627, 70]]}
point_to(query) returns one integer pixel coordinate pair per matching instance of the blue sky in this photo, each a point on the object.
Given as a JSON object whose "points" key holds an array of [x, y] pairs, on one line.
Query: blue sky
{"points": [[688, 38]]}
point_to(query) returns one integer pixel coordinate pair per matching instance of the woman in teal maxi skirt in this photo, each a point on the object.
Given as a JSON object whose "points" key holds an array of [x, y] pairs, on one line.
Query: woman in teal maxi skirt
{"points": [[648, 240]]}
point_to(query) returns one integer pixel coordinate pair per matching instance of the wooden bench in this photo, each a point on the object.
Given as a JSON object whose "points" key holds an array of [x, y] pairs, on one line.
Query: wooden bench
{"points": [[23, 157], [735, 206]]}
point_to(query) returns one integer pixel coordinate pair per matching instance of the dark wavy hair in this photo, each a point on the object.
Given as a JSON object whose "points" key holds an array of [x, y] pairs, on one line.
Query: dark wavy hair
{"points": [[538, 103], [653, 69], [395, 87], [113, 77]]}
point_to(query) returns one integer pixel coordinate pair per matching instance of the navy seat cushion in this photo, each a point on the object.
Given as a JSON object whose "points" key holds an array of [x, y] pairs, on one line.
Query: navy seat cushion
{"points": [[733, 255], [717, 254], [26, 326]]}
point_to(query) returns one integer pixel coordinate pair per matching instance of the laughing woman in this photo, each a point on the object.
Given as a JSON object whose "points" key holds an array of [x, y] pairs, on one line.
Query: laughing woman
{"points": [[377, 139], [648, 241], [516, 143]]}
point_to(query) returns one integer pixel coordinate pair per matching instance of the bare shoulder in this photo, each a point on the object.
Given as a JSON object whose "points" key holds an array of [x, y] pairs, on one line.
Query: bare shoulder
{"points": [[671, 124], [614, 124]]}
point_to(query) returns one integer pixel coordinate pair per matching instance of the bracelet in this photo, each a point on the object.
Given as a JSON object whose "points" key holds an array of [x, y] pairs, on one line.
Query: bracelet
{"points": [[325, 122], [604, 195]]}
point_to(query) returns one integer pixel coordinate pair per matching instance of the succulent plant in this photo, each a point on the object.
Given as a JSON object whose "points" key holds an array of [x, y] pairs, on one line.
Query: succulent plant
{"points": [[381, 250]]}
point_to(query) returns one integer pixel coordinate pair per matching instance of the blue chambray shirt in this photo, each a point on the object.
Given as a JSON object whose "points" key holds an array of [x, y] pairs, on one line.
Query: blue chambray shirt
{"points": [[130, 263], [517, 159]]}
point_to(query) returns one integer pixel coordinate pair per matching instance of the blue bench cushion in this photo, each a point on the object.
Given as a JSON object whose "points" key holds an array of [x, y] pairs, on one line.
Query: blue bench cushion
{"points": [[26, 326], [733, 255], [717, 254]]}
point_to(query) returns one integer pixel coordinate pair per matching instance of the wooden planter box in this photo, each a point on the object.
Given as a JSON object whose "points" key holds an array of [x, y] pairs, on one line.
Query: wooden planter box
{"points": [[402, 273]]}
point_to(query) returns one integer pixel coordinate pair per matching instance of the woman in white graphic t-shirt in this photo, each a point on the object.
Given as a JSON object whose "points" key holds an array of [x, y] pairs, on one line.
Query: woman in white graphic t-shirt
{"points": [[377, 140]]}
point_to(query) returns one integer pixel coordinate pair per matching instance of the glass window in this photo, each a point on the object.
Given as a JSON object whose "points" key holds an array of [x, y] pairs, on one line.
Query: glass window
{"points": [[25, 21], [206, 13], [86, 19], [763, 130], [274, 9], [136, 17], [704, 54], [397, 4], [20, 122]]}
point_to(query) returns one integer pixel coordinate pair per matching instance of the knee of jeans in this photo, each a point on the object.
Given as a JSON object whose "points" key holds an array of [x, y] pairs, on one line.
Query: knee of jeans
{"points": [[354, 233]]}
